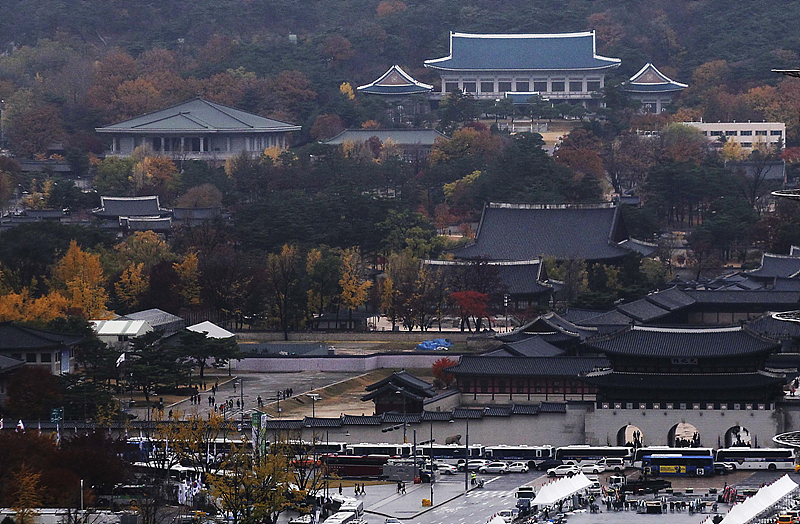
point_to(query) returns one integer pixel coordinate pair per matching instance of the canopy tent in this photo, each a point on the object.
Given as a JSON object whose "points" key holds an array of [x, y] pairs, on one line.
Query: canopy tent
{"points": [[497, 519], [211, 330], [561, 489], [766, 497]]}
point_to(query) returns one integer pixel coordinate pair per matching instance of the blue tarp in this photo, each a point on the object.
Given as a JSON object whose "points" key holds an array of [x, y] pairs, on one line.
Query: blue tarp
{"points": [[435, 344]]}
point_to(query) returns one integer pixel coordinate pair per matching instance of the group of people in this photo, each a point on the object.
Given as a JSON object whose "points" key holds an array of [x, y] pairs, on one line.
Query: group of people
{"points": [[401, 487]]}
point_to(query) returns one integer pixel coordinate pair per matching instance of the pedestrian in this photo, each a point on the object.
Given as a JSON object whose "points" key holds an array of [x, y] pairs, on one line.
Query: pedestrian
{"points": [[291, 391], [363, 491], [170, 413], [404, 488], [398, 486], [204, 385], [340, 488], [356, 489], [237, 403]]}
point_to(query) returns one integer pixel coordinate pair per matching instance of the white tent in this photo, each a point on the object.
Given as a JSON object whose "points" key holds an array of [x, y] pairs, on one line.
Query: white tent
{"points": [[766, 497], [211, 330], [561, 489], [497, 520]]}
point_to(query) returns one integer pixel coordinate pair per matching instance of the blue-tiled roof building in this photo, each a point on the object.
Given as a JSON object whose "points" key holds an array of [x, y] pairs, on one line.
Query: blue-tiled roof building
{"points": [[561, 66], [395, 82], [652, 88]]}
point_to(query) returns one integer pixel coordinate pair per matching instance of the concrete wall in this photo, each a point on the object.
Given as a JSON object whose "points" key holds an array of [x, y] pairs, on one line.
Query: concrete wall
{"points": [[372, 336], [602, 425], [341, 364]]}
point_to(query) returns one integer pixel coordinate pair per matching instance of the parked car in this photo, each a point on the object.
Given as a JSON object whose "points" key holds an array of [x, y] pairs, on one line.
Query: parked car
{"points": [[474, 465], [563, 470], [506, 514], [494, 467], [518, 467], [612, 464], [445, 469], [723, 468], [547, 464], [593, 468]]}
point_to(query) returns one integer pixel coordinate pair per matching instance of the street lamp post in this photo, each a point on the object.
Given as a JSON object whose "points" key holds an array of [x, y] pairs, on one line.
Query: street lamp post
{"points": [[466, 459], [431, 441], [314, 398], [241, 398]]}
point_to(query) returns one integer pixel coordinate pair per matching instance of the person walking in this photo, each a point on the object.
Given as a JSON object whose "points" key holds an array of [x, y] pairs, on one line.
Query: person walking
{"points": [[340, 488]]}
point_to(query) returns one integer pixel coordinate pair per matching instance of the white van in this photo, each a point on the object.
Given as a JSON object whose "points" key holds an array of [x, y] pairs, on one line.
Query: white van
{"points": [[612, 464], [355, 506], [342, 517]]}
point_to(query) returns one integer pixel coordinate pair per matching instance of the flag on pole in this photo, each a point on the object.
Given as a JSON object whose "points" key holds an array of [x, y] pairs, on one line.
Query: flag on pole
{"points": [[58, 434], [1, 422], [20, 427], [121, 359], [40, 427]]}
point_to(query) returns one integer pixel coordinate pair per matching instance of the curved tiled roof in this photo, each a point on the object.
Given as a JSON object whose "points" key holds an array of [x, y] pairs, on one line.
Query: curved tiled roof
{"points": [[522, 52], [683, 342], [527, 366], [689, 381], [650, 80], [397, 82], [773, 265], [565, 232]]}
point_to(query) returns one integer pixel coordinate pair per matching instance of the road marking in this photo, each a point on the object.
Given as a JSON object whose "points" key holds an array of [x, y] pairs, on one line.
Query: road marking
{"points": [[490, 480]]}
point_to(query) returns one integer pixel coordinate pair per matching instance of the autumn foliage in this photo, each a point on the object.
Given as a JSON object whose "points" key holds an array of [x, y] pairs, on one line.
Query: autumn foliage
{"points": [[439, 369]]}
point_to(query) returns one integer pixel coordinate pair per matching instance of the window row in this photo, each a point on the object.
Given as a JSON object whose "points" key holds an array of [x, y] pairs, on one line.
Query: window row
{"points": [[522, 86], [743, 133], [34, 358]]}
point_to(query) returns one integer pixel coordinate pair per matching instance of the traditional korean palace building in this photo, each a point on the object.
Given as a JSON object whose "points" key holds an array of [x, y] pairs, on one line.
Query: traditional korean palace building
{"points": [[652, 88], [198, 130], [560, 67], [661, 367], [565, 232], [400, 392], [395, 83]]}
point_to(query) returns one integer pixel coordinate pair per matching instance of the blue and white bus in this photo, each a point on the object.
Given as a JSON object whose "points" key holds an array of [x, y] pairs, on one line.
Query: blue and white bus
{"points": [[758, 458], [665, 450], [659, 464]]}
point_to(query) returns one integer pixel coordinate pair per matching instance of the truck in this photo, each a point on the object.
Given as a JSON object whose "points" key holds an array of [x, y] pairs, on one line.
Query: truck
{"points": [[524, 496], [624, 485]]}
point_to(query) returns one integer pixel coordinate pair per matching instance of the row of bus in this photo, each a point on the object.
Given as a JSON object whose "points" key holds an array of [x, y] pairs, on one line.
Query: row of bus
{"points": [[652, 460]]}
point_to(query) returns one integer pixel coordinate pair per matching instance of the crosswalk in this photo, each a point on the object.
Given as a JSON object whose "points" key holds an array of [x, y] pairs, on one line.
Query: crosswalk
{"points": [[485, 493]]}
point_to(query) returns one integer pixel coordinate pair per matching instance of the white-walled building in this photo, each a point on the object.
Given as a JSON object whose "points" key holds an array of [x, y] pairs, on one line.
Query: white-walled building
{"points": [[748, 134], [198, 130], [118, 333]]}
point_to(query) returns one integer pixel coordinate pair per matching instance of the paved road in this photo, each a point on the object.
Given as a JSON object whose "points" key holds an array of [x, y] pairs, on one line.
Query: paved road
{"points": [[479, 505], [264, 384]]}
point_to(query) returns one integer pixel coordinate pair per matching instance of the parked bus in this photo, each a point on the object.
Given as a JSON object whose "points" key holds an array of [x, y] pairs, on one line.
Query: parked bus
{"points": [[578, 453], [665, 450], [530, 454], [677, 464], [450, 452], [758, 458], [394, 450]]}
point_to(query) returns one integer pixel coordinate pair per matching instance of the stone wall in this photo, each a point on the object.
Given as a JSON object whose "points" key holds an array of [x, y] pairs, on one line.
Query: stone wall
{"points": [[341, 364]]}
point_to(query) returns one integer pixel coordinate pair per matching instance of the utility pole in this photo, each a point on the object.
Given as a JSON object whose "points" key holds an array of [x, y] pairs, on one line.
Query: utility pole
{"points": [[241, 398], [432, 476], [466, 458]]}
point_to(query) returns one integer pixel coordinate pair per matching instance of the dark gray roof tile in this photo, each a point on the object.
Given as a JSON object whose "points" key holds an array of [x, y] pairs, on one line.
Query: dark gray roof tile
{"points": [[642, 310], [528, 366], [683, 342], [527, 232]]}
